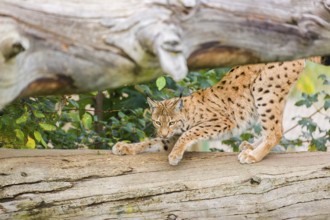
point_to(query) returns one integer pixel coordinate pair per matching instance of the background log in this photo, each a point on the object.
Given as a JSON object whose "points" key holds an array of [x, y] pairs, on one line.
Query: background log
{"points": [[75, 46], [80, 184]]}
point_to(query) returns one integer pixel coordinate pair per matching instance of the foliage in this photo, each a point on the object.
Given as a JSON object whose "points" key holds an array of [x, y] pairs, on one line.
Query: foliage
{"points": [[77, 121], [312, 132], [70, 122]]}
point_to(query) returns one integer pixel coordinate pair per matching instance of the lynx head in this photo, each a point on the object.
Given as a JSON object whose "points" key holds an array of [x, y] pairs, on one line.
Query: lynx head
{"points": [[167, 116]]}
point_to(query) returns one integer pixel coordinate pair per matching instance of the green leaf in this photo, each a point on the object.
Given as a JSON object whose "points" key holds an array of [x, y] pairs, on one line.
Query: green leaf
{"points": [[74, 103], [246, 136], [114, 120], [22, 119], [308, 123], [87, 121], [121, 114], [37, 136], [19, 134], [44, 143], [312, 148], [94, 93], [308, 100], [161, 83], [326, 79], [234, 142], [320, 143], [129, 127], [141, 135], [74, 116], [38, 114], [47, 127], [143, 89], [300, 103], [327, 104], [30, 143], [286, 142], [142, 122]]}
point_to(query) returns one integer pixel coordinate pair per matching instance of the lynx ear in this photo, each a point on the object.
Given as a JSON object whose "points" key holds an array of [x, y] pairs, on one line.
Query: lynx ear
{"points": [[152, 103], [178, 104]]}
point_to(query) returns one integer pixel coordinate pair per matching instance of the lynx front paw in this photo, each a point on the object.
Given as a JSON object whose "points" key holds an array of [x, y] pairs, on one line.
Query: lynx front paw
{"points": [[246, 157], [122, 148], [174, 159]]}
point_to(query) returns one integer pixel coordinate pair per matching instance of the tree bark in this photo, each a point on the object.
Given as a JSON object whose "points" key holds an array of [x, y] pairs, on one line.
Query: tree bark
{"points": [[74, 46], [86, 184]]}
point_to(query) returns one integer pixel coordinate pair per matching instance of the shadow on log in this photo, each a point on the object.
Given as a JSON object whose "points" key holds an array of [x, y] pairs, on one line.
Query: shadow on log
{"points": [[80, 184]]}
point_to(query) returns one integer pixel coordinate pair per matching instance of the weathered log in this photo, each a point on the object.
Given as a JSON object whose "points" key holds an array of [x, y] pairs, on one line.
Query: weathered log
{"points": [[74, 46], [79, 184]]}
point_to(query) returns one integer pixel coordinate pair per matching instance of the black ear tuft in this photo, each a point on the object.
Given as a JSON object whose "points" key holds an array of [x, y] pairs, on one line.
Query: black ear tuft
{"points": [[180, 103]]}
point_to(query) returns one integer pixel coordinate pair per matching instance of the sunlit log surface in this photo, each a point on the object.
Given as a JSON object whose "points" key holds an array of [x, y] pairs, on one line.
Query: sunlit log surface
{"points": [[90, 184]]}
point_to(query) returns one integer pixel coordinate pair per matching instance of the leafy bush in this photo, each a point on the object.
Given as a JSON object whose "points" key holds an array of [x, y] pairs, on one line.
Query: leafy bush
{"points": [[312, 133], [71, 122], [98, 120]]}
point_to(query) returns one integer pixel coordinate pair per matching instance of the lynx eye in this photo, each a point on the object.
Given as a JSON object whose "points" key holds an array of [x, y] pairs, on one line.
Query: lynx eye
{"points": [[171, 123], [157, 123]]}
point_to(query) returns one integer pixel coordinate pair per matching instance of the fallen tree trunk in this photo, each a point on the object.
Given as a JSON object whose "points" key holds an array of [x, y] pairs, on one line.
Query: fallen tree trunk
{"points": [[74, 46], [79, 184]]}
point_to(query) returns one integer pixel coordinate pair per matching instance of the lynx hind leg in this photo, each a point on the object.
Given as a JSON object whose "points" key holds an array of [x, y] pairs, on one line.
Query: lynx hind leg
{"points": [[152, 145], [271, 122], [270, 102], [250, 155], [272, 134]]}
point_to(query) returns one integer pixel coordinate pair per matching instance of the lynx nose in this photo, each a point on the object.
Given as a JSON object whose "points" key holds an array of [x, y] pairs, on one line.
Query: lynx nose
{"points": [[164, 134]]}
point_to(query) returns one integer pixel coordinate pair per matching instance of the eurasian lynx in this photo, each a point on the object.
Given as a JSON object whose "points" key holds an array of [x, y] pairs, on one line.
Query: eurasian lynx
{"points": [[247, 94]]}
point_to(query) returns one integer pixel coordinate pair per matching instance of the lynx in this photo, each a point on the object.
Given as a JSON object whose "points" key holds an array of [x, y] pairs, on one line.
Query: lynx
{"points": [[248, 94]]}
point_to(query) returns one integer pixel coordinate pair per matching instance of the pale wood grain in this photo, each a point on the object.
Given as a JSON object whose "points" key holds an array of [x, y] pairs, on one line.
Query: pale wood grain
{"points": [[81, 184]]}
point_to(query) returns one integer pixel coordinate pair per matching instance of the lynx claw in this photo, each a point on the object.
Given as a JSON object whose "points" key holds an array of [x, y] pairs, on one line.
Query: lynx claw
{"points": [[122, 148], [246, 157], [174, 159]]}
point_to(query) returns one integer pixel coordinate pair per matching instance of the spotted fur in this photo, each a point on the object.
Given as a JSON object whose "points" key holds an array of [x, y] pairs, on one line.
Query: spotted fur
{"points": [[247, 94]]}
